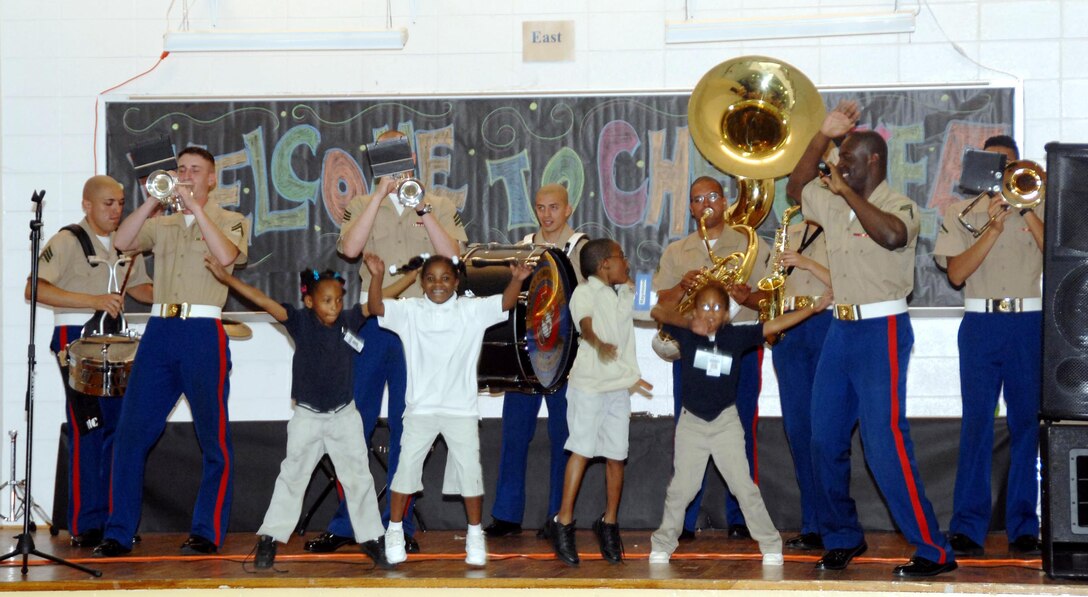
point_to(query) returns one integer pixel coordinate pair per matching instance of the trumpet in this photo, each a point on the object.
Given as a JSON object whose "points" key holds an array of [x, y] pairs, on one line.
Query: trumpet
{"points": [[163, 186], [1023, 186], [410, 190]]}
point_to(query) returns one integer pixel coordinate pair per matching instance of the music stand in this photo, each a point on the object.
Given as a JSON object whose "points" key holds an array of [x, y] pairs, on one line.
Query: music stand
{"points": [[25, 545]]}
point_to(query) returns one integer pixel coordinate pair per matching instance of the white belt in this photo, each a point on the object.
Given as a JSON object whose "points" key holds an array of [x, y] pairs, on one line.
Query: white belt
{"points": [[1002, 305], [185, 310], [71, 318], [794, 303], [870, 310]]}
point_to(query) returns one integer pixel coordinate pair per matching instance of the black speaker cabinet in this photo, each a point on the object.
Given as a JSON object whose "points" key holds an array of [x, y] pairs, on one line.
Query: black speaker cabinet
{"points": [[1065, 284], [1064, 447]]}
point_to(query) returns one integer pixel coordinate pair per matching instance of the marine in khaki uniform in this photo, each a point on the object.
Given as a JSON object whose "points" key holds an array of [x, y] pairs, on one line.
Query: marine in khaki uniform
{"points": [[861, 379], [184, 350], [795, 357], [379, 224], [519, 410], [1000, 346], [675, 275], [76, 286]]}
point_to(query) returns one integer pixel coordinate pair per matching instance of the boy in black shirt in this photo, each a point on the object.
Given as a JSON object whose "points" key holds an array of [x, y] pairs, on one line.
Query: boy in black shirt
{"points": [[708, 425]]}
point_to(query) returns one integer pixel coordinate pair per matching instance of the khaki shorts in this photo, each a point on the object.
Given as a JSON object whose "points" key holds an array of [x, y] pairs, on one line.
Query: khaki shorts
{"points": [[462, 435], [599, 423]]}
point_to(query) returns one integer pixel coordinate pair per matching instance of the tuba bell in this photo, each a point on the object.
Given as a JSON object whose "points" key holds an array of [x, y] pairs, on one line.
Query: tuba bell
{"points": [[751, 117]]}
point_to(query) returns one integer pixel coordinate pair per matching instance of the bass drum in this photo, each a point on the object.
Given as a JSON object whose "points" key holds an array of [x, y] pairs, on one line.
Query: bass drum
{"points": [[532, 351], [101, 365]]}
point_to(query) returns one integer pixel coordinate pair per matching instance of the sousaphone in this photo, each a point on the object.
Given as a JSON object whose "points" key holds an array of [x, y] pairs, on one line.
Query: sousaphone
{"points": [[752, 117]]}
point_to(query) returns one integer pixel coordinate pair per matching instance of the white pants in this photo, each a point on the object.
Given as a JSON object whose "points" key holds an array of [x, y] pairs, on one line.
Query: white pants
{"points": [[310, 436]]}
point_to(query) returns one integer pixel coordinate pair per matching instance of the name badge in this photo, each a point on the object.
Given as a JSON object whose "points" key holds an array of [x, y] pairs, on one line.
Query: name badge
{"points": [[645, 298], [355, 342], [714, 363]]}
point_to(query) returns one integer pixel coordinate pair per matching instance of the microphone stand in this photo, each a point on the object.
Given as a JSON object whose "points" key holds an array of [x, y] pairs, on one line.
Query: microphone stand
{"points": [[25, 545]]}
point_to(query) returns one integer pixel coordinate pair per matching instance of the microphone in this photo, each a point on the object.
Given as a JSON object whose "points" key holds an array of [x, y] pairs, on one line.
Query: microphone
{"points": [[413, 264]]}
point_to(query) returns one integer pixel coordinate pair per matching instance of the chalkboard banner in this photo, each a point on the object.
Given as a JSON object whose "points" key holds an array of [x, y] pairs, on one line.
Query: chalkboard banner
{"points": [[291, 166]]}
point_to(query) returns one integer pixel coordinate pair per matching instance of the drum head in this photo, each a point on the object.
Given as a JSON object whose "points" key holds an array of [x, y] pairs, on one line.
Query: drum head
{"points": [[533, 350]]}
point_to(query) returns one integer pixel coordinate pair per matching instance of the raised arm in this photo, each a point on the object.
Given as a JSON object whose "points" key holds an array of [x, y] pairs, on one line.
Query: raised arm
{"points": [[837, 123], [128, 232], [376, 267], [253, 294], [358, 232], [519, 272]]}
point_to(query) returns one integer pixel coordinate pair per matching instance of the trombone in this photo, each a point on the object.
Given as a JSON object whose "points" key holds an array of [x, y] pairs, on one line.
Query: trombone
{"points": [[1023, 186]]}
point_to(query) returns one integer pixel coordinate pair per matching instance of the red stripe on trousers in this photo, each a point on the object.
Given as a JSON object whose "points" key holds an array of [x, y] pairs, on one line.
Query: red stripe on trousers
{"points": [[223, 481], [755, 418], [900, 446]]}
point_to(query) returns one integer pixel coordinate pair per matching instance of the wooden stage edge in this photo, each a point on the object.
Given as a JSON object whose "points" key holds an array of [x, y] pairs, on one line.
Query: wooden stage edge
{"points": [[711, 563]]}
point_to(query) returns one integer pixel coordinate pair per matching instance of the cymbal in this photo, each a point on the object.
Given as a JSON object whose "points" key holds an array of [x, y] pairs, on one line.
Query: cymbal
{"points": [[237, 330]]}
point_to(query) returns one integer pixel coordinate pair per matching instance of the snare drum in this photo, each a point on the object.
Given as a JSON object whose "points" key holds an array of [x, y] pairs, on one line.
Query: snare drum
{"points": [[101, 365], [532, 351]]}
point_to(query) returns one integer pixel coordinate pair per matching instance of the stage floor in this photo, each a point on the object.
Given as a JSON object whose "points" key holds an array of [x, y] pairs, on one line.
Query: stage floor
{"points": [[711, 562]]}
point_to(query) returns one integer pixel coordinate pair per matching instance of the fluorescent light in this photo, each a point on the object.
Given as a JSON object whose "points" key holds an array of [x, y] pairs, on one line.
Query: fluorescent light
{"points": [[816, 25], [262, 41]]}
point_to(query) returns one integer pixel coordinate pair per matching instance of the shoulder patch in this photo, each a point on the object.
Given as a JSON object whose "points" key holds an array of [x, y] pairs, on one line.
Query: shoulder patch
{"points": [[236, 228], [457, 219], [943, 229], [908, 208], [47, 255], [347, 216]]}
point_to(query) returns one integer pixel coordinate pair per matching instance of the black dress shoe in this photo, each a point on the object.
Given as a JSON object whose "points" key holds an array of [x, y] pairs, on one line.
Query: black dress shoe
{"points": [[739, 531], [327, 543], [918, 567], [196, 545], [375, 549], [1026, 544], [502, 528], [608, 537], [89, 539], [839, 559], [686, 536], [805, 542], [410, 544], [962, 545], [563, 543], [110, 548], [266, 553]]}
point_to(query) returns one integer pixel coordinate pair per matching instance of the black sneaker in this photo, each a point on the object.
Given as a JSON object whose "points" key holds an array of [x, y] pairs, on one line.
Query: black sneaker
{"points": [[376, 551], [563, 543], [608, 536], [266, 553]]}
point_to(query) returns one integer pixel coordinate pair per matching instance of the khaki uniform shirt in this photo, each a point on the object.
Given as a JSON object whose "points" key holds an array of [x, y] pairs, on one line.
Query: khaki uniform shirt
{"points": [[1014, 266], [63, 264], [575, 254], [396, 238], [180, 275], [862, 271], [802, 282], [689, 253]]}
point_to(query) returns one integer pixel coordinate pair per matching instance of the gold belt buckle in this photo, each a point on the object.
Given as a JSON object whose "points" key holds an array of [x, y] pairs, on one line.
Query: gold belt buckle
{"points": [[802, 302], [1005, 305], [847, 312], [176, 310]]}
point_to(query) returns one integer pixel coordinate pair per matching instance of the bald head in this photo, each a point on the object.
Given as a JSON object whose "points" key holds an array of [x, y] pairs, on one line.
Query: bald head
{"points": [[552, 210], [100, 185]]}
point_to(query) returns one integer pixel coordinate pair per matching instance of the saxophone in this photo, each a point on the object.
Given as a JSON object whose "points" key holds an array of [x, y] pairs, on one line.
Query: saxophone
{"points": [[775, 283], [729, 271]]}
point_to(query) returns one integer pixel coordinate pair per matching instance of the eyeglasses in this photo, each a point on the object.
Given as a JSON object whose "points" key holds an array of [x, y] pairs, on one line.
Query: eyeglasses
{"points": [[715, 308], [708, 198]]}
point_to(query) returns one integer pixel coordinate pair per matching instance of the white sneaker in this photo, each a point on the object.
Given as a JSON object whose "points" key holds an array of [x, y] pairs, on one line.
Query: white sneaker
{"points": [[773, 559], [659, 557], [394, 546], [475, 549]]}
